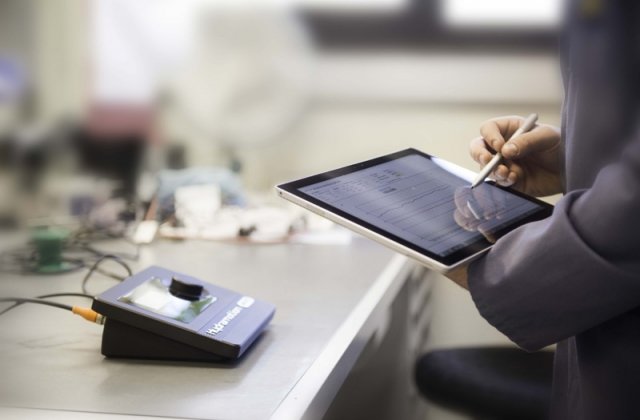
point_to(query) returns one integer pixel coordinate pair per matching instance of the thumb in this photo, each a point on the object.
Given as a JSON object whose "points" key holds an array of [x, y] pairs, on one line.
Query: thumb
{"points": [[528, 143]]}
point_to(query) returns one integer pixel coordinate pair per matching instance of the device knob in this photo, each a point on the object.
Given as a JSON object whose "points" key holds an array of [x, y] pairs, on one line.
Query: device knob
{"points": [[186, 291]]}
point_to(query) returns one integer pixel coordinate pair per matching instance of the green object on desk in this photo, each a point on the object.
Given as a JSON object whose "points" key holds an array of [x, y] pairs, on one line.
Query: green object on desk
{"points": [[49, 243]]}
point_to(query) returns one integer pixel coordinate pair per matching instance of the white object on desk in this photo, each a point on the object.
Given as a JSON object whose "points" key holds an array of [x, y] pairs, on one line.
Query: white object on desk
{"points": [[196, 205], [145, 232]]}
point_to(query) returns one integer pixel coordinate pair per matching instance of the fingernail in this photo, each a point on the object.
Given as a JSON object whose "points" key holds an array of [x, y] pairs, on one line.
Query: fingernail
{"points": [[511, 149]]}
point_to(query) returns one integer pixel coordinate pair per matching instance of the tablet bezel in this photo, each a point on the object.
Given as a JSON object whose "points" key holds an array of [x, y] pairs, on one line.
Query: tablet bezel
{"points": [[451, 260]]}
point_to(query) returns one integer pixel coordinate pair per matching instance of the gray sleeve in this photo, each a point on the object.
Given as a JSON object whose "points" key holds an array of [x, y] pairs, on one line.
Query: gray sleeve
{"points": [[555, 278]]}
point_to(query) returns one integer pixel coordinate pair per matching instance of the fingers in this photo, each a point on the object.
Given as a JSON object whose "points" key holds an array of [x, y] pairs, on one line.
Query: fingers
{"points": [[493, 137], [498, 130], [479, 151], [481, 154], [515, 177], [501, 173], [496, 133], [493, 134], [539, 139], [505, 174], [508, 174]]}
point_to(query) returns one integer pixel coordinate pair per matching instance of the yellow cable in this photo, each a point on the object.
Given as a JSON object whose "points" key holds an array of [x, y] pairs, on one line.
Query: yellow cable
{"points": [[88, 314]]}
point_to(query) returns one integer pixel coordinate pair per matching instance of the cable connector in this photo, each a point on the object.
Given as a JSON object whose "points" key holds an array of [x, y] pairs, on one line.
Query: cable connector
{"points": [[88, 314]]}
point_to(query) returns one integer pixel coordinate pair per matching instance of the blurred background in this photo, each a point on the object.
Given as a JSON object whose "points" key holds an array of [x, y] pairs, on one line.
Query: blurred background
{"points": [[113, 112]]}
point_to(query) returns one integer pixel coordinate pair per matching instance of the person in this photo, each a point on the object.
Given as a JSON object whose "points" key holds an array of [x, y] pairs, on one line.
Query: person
{"points": [[574, 278]]}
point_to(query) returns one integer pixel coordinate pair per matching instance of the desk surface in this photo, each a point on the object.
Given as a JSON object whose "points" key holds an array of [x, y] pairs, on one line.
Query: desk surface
{"points": [[51, 360]]}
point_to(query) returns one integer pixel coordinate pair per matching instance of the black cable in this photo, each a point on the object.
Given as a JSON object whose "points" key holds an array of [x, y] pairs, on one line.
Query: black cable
{"points": [[133, 257], [78, 252], [99, 261], [38, 301], [110, 274], [51, 295]]}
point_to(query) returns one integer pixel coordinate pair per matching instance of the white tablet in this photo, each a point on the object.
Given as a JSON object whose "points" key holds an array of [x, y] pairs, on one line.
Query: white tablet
{"points": [[418, 205]]}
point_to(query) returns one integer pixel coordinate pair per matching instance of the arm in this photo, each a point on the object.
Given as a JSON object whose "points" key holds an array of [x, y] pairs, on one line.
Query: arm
{"points": [[555, 278]]}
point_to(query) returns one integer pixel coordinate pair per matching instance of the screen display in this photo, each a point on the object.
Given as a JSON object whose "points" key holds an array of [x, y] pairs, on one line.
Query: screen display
{"points": [[422, 200], [154, 296]]}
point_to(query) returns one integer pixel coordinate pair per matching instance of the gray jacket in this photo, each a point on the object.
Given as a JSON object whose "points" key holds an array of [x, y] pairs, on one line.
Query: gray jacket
{"points": [[574, 278]]}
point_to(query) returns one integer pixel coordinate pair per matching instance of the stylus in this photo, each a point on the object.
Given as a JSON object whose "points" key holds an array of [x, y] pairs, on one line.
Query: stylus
{"points": [[528, 124]]}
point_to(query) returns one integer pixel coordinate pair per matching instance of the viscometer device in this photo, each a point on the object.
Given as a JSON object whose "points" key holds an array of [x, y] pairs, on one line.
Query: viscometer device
{"points": [[160, 314]]}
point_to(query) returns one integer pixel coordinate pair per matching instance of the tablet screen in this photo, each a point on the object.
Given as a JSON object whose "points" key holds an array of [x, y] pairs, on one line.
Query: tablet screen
{"points": [[422, 200]]}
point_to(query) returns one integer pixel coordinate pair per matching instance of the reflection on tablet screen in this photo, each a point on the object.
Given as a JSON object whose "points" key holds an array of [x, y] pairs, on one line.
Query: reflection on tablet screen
{"points": [[422, 202]]}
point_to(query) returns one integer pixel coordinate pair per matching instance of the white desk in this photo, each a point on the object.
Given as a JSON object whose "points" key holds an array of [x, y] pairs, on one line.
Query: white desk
{"points": [[333, 303]]}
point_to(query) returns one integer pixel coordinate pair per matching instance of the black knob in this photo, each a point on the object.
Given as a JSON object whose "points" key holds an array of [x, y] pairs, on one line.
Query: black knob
{"points": [[186, 291]]}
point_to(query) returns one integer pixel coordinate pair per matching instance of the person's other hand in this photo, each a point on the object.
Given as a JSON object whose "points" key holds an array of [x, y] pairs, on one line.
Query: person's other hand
{"points": [[532, 162], [478, 208]]}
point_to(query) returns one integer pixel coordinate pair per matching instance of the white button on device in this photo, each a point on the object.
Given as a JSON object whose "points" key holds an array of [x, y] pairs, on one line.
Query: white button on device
{"points": [[245, 301]]}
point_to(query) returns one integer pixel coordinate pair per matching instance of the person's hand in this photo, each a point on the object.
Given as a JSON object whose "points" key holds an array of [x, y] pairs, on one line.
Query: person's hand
{"points": [[532, 162], [478, 208]]}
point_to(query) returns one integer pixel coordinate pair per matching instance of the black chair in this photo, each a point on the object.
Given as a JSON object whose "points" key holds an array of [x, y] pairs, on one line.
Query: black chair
{"points": [[496, 383]]}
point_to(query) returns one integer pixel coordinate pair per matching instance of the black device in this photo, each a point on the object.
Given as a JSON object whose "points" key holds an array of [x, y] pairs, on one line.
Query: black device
{"points": [[160, 314]]}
